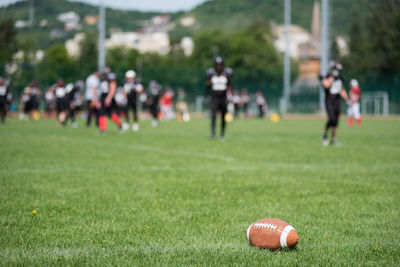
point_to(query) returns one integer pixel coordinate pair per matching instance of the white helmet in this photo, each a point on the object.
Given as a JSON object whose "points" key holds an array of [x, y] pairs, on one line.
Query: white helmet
{"points": [[353, 83], [130, 74]]}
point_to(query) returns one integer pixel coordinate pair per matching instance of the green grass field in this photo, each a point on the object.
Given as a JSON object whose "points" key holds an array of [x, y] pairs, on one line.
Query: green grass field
{"points": [[170, 196]]}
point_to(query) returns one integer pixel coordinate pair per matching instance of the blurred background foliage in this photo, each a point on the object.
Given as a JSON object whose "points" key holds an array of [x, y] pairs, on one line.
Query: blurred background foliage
{"points": [[374, 58]]}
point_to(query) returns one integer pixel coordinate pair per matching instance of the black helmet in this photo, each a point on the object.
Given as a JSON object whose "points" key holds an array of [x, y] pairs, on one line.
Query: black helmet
{"points": [[219, 64], [335, 68]]}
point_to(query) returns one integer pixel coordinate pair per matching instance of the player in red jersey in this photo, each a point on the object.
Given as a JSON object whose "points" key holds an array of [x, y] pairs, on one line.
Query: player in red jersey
{"points": [[353, 111], [167, 104]]}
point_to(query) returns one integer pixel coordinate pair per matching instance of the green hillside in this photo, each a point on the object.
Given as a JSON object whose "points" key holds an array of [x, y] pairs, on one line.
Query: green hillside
{"points": [[235, 14], [230, 15], [49, 9]]}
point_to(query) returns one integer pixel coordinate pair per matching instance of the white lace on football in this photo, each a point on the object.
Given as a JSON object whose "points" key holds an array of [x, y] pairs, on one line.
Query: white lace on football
{"points": [[265, 225]]}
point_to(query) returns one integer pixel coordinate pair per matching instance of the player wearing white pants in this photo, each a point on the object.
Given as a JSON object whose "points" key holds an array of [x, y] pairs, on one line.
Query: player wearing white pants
{"points": [[353, 111]]}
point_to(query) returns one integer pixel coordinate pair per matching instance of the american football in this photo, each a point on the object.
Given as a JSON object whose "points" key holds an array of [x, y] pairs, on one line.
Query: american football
{"points": [[272, 234]]}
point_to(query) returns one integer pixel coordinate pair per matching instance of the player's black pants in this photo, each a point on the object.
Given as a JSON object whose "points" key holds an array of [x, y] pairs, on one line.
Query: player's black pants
{"points": [[154, 110], [236, 110], [260, 111], [3, 109], [332, 105], [218, 104], [90, 112], [71, 114], [107, 110], [131, 105], [62, 105]]}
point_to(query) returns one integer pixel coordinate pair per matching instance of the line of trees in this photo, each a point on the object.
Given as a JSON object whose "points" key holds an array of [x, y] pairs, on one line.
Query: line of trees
{"points": [[256, 63], [374, 57]]}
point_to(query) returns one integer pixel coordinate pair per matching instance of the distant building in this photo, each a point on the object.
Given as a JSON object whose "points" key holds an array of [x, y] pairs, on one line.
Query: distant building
{"points": [[73, 45], [44, 23], [19, 24], [298, 36], [342, 43], [70, 20], [188, 21], [309, 60], [157, 42], [91, 19], [157, 24], [57, 33], [187, 45]]}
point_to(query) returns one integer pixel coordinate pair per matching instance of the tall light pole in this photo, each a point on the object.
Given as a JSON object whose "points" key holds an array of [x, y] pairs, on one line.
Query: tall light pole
{"points": [[31, 13], [324, 46], [284, 105], [102, 26]]}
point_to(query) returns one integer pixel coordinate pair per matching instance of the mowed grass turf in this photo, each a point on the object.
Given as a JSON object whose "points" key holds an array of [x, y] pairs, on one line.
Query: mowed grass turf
{"points": [[170, 196]]}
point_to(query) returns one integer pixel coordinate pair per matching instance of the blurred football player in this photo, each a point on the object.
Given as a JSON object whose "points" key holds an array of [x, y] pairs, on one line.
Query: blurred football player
{"points": [[25, 104], [245, 100], [108, 106], [122, 104], [236, 103], [4, 92], [167, 104], [181, 106], [332, 83], [35, 99], [132, 89], [61, 102], [153, 101], [353, 111], [261, 103], [219, 82], [74, 99], [91, 97], [50, 99]]}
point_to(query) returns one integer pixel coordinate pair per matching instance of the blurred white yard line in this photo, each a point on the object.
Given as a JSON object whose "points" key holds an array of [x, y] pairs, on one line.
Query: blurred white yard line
{"points": [[98, 169], [136, 147]]}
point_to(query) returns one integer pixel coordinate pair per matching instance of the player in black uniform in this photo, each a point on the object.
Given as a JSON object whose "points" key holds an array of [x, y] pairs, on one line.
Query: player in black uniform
{"points": [[25, 107], [61, 102], [50, 99], [4, 92], [108, 106], [332, 82], [219, 82], [132, 88], [35, 99], [74, 99], [153, 101]]}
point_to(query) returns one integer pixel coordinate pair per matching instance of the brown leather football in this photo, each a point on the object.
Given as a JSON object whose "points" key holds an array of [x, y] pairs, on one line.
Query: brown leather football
{"points": [[272, 234]]}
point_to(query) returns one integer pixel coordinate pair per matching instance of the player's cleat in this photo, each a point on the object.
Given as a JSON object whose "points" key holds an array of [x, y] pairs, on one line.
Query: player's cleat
{"points": [[333, 142], [212, 136], [325, 141], [154, 123], [135, 127], [125, 126], [222, 138], [121, 130], [74, 125]]}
